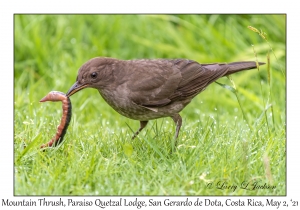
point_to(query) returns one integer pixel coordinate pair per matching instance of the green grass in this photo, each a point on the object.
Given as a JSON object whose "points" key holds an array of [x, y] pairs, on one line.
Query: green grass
{"points": [[217, 141]]}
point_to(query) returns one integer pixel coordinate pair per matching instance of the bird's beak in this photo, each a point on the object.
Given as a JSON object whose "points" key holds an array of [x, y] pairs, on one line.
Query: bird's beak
{"points": [[75, 88]]}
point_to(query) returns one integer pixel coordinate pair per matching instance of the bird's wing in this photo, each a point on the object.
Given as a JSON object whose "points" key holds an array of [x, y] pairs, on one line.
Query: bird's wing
{"points": [[155, 81], [161, 82], [196, 77]]}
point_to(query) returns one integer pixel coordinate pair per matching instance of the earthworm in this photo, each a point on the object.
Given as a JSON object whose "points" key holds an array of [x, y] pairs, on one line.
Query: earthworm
{"points": [[66, 116]]}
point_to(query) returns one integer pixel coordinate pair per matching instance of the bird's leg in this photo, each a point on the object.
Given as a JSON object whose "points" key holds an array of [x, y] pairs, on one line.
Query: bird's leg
{"points": [[142, 126], [178, 121]]}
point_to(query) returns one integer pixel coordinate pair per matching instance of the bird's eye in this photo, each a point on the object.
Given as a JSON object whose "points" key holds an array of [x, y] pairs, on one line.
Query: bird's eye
{"points": [[94, 75]]}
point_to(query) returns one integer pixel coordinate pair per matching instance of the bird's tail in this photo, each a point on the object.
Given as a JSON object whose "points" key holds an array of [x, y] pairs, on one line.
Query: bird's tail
{"points": [[241, 66]]}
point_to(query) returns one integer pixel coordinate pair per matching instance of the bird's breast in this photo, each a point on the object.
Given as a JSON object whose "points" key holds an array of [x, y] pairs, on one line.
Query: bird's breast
{"points": [[121, 102]]}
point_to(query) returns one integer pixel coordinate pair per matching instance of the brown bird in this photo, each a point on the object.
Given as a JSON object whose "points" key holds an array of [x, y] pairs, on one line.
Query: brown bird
{"points": [[149, 89]]}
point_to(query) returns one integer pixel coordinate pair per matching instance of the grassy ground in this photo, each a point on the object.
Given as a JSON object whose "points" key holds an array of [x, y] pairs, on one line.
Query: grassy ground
{"points": [[227, 139]]}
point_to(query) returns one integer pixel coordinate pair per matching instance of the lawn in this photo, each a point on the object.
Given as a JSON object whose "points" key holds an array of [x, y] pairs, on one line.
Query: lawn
{"points": [[233, 137]]}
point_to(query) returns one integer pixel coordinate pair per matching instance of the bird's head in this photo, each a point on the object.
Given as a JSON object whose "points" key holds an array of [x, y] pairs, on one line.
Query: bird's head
{"points": [[95, 73]]}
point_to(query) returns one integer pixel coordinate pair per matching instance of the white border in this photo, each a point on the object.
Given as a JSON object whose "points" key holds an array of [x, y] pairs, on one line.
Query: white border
{"points": [[8, 8]]}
